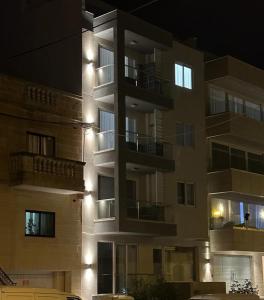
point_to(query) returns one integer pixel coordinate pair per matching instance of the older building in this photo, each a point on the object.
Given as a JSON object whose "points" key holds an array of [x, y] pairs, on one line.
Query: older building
{"points": [[41, 185], [235, 179]]}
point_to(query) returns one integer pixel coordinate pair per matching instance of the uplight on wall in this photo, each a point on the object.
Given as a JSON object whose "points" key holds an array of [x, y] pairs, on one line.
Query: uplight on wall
{"points": [[261, 214], [217, 213]]}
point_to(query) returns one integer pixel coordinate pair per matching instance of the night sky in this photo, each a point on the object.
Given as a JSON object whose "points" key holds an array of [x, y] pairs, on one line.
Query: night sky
{"points": [[234, 27]]}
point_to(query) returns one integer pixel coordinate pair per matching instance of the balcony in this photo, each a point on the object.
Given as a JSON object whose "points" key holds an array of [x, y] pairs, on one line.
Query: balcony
{"points": [[141, 149], [146, 211], [48, 174], [140, 86], [235, 128], [237, 184]]}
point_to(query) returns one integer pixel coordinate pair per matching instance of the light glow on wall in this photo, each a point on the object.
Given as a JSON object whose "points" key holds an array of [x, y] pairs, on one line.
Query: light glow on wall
{"points": [[261, 214]]}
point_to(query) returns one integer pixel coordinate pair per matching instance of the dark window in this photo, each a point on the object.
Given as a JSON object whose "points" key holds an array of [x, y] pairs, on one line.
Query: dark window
{"points": [[190, 194], [220, 157], [105, 268], [238, 159], [41, 144], [106, 187], [157, 261], [131, 190], [255, 163], [40, 223], [180, 193], [184, 134]]}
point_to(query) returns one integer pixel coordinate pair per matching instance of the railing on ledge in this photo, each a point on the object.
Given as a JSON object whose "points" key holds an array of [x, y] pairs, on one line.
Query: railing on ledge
{"points": [[148, 144], [24, 162], [136, 142], [104, 75], [105, 208], [151, 211], [146, 80]]}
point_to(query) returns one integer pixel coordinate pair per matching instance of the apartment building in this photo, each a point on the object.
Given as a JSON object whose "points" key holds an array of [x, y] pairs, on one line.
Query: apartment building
{"points": [[235, 169], [145, 201], [41, 185]]}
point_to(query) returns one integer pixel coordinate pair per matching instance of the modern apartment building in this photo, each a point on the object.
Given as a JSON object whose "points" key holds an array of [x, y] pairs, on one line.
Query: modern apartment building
{"points": [[235, 180], [145, 204]]}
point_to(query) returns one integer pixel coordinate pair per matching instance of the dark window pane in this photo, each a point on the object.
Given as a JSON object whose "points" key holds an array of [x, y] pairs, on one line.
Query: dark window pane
{"points": [[105, 268], [131, 190], [255, 163], [220, 157], [180, 193], [41, 144], [180, 134], [106, 189], [238, 159], [217, 101], [188, 135], [157, 261], [190, 194]]}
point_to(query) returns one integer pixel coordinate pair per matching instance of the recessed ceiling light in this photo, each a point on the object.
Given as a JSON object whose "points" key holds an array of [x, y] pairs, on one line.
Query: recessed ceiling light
{"points": [[133, 105], [133, 42]]}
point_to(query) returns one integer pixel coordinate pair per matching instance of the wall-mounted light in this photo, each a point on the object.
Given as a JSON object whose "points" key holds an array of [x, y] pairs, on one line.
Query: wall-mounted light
{"points": [[207, 260], [88, 61], [87, 266], [88, 193]]}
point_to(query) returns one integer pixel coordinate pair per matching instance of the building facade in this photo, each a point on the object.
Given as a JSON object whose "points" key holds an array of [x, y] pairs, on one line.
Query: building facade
{"points": [[130, 159], [145, 203], [41, 185], [234, 136]]}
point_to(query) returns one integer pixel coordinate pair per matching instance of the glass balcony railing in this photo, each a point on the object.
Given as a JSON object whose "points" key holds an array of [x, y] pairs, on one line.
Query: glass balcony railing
{"points": [[147, 80], [104, 75], [227, 213], [149, 145], [106, 140], [146, 211], [105, 208]]}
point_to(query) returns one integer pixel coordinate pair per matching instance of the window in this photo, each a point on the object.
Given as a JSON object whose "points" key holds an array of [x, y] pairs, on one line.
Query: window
{"points": [[217, 101], [236, 104], [255, 163], [106, 66], [238, 159], [106, 188], [107, 130], [184, 134], [106, 57], [183, 76], [130, 68], [252, 110], [220, 157], [41, 144], [185, 193], [105, 268], [40, 223]]}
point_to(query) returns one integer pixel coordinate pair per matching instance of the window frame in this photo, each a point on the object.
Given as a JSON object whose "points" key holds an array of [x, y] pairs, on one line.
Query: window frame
{"points": [[183, 65], [40, 212], [184, 124], [185, 194], [40, 135]]}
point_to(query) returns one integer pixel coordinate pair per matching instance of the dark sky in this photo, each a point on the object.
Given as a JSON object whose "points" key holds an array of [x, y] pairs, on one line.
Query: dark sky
{"points": [[234, 27]]}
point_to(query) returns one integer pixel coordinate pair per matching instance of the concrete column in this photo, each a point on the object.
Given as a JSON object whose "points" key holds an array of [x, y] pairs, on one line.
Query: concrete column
{"points": [[120, 112]]}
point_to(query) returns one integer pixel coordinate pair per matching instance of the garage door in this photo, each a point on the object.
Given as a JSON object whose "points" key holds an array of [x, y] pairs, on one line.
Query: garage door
{"points": [[228, 268]]}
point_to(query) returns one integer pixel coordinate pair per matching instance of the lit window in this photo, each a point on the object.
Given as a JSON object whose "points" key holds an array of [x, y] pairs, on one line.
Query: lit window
{"points": [[40, 223], [183, 76]]}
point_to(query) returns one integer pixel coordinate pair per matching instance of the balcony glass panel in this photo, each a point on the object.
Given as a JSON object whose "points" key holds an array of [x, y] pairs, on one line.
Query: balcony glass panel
{"points": [[104, 75], [149, 145], [106, 140], [145, 211], [105, 208], [227, 213]]}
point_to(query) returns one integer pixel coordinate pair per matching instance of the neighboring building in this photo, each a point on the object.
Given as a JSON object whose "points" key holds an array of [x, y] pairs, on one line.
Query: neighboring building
{"points": [[41, 185], [145, 205], [235, 180]]}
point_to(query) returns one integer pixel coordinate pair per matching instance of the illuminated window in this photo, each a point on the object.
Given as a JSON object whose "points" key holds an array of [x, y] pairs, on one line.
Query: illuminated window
{"points": [[40, 223], [183, 76]]}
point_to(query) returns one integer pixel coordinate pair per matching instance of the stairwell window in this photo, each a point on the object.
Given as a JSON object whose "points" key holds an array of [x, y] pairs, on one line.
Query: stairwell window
{"points": [[39, 223], [184, 134], [183, 76], [185, 193]]}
